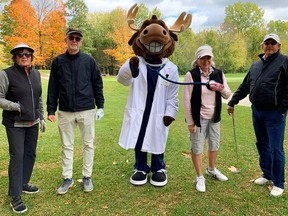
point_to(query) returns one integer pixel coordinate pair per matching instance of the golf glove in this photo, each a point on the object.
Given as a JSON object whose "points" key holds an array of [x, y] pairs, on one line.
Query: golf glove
{"points": [[99, 114], [42, 126]]}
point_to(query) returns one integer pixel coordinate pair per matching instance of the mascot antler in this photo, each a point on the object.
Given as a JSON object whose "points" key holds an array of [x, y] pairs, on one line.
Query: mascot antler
{"points": [[131, 17], [180, 25]]}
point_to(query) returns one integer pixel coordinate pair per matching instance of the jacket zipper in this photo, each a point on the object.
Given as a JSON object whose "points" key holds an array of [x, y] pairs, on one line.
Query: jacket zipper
{"points": [[275, 90], [32, 93]]}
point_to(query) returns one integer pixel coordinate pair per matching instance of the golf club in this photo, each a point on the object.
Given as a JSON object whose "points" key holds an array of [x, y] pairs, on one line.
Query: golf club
{"points": [[235, 142]]}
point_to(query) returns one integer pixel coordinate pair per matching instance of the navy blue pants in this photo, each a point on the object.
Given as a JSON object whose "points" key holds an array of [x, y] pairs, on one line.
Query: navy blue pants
{"points": [[22, 150], [269, 127], [157, 162]]}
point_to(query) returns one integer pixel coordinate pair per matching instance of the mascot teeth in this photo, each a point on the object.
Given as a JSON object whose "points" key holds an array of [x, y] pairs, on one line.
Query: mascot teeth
{"points": [[154, 47]]}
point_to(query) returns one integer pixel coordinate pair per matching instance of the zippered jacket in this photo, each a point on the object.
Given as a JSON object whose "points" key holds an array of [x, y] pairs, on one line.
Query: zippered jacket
{"points": [[75, 84], [266, 83], [16, 87]]}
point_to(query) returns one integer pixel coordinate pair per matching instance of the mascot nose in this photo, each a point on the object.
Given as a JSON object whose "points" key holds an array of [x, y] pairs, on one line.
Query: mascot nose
{"points": [[154, 31]]}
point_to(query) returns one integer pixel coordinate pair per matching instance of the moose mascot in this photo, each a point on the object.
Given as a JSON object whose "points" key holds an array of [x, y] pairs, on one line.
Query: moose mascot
{"points": [[153, 102]]}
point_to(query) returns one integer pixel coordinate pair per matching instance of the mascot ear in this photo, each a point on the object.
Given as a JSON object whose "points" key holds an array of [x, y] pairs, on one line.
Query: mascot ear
{"points": [[174, 36], [130, 42]]}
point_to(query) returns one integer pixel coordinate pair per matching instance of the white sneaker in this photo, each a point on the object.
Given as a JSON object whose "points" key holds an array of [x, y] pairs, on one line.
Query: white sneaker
{"points": [[200, 184], [262, 181], [216, 174], [276, 191]]}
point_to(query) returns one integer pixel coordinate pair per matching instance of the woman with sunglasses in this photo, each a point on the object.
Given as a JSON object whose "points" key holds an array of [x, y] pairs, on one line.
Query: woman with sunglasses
{"points": [[267, 86], [20, 99], [202, 108]]}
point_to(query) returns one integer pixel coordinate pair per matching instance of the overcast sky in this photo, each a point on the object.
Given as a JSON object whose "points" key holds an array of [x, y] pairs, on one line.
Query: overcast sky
{"points": [[206, 13]]}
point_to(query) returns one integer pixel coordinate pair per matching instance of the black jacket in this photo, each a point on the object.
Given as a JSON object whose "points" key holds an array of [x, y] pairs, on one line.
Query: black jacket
{"points": [[25, 90], [195, 101], [75, 83], [266, 83]]}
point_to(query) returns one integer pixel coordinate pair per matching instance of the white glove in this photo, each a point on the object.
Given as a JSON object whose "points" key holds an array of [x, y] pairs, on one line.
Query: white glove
{"points": [[42, 126], [99, 114]]}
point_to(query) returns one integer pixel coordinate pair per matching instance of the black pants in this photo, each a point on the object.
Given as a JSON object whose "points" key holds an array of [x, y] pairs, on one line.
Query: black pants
{"points": [[22, 150]]}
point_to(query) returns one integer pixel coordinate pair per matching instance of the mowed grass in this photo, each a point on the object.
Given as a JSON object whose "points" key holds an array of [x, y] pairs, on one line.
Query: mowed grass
{"points": [[114, 195]]}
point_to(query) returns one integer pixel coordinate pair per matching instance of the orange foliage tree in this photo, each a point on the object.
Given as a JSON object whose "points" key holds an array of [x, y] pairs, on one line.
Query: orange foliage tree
{"points": [[52, 33], [120, 35], [45, 33], [24, 25]]}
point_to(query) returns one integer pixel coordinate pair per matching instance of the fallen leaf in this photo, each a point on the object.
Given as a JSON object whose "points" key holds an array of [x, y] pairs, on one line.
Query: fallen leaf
{"points": [[233, 169], [185, 154], [79, 180], [114, 162], [105, 207]]}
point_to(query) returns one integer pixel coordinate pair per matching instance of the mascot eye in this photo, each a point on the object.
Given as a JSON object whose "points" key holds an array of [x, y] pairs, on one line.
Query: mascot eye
{"points": [[164, 32], [145, 32]]}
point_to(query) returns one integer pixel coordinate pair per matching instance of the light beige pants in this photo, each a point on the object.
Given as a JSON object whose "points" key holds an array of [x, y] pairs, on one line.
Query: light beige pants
{"points": [[67, 122]]}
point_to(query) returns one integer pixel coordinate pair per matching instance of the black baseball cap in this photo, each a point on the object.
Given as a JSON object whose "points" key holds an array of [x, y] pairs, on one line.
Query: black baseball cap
{"points": [[74, 31]]}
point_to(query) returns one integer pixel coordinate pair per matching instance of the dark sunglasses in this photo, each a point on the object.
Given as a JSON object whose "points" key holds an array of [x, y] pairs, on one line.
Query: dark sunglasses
{"points": [[27, 55], [71, 38], [270, 42]]}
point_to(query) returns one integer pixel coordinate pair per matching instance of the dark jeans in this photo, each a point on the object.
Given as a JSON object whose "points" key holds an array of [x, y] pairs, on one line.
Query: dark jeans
{"points": [[157, 162], [269, 127], [22, 150]]}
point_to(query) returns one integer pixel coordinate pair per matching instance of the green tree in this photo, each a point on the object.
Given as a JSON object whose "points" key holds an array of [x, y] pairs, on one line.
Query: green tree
{"points": [[77, 15], [246, 19], [184, 51], [231, 52], [241, 17], [101, 27], [144, 13], [281, 28]]}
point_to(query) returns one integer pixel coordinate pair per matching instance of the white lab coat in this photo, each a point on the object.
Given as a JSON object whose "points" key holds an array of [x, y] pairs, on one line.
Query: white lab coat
{"points": [[165, 103]]}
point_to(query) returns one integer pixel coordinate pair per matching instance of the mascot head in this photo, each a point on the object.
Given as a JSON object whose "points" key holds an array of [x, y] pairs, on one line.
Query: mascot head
{"points": [[154, 40]]}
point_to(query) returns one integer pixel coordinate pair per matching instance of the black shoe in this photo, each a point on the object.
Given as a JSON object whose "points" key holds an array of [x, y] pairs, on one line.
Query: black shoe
{"points": [[30, 189], [138, 178], [159, 178], [17, 205]]}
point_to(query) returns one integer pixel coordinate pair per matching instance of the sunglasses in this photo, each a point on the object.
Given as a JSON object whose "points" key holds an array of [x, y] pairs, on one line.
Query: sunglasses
{"points": [[270, 42], [71, 38], [27, 55]]}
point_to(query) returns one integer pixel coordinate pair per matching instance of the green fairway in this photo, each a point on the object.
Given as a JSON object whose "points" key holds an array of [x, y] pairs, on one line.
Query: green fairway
{"points": [[114, 195]]}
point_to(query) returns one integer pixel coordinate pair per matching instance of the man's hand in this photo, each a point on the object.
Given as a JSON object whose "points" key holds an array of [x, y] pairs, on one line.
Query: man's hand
{"points": [[99, 114], [51, 118], [230, 110]]}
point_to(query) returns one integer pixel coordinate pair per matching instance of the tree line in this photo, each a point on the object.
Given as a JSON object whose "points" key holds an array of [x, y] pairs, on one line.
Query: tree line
{"points": [[42, 24]]}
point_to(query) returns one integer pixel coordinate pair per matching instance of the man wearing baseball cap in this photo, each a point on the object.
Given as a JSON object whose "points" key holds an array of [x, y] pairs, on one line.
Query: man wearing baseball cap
{"points": [[75, 87], [267, 86]]}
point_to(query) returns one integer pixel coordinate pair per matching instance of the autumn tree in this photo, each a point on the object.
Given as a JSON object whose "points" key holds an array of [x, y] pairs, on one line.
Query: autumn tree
{"points": [[52, 27], [20, 26], [42, 29], [120, 35]]}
